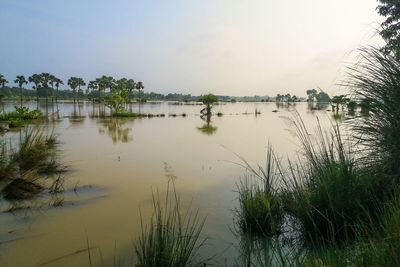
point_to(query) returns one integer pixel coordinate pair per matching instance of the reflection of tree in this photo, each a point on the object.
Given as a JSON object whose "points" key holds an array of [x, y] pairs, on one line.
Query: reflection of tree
{"points": [[76, 115], [313, 106], [285, 105], [207, 128], [98, 110], [115, 129]]}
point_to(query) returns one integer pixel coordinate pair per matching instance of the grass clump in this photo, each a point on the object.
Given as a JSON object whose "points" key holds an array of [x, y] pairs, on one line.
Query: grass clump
{"points": [[260, 210], [172, 238], [328, 192], [21, 167], [376, 80]]}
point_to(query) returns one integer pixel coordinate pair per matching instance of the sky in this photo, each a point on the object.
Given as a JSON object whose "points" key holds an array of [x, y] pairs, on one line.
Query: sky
{"points": [[225, 47]]}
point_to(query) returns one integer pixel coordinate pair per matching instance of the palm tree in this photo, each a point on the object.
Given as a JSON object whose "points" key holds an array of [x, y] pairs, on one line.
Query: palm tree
{"points": [[93, 86], [105, 82], [20, 80], [37, 80], [80, 83], [58, 83], [73, 83], [52, 81], [46, 78], [3, 82], [139, 87]]}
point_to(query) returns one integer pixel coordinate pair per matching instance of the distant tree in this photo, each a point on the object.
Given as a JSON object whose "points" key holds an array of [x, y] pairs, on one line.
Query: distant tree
{"points": [[339, 100], [20, 80], [37, 80], [58, 82], [73, 83], [105, 82], [80, 83], [323, 97], [140, 87], [3, 81], [208, 100], [390, 9], [131, 86], [93, 86], [46, 78], [312, 95]]}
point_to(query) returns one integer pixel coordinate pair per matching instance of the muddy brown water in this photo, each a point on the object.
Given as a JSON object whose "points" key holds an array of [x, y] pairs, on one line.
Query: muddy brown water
{"points": [[115, 164]]}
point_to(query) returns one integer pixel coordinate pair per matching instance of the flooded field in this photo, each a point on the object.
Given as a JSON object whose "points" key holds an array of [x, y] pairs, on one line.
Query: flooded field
{"points": [[114, 165]]}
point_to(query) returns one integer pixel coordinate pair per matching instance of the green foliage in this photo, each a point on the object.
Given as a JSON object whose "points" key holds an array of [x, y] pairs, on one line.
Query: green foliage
{"points": [[390, 9], [208, 99], [339, 99], [21, 113]]}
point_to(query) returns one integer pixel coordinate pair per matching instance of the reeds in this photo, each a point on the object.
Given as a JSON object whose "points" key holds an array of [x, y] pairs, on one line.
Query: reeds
{"points": [[376, 81], [172, 237], [260, 209], [23, 162]]}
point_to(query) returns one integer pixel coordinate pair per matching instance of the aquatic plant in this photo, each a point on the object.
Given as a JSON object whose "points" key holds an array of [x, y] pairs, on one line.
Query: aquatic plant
{"points": [[172, 237], [260, 209], [21, 113], [328, 192], [376, 80], [23, 163]]}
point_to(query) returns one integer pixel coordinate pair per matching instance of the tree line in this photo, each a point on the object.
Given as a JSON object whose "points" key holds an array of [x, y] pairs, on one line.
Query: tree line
{"points": [[47, 85]]}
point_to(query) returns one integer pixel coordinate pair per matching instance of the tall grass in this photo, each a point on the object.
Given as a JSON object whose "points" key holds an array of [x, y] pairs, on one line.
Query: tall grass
{"points": [[376, 80], [35, 150], [260, 209], [172, 237], [23, 161], [327, 191]]}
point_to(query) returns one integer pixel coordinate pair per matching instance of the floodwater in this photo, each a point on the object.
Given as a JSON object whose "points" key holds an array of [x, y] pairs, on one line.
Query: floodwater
{"points": [[116, 164]]}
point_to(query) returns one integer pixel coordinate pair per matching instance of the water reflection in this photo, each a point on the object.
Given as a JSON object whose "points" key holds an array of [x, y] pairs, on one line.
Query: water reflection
{"points": [[116, 129], [207, 128], [315, 106], [285, 105]]}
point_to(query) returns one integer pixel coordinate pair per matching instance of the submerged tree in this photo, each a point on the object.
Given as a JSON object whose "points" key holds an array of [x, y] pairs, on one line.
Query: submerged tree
{"points": [[20, 80], [312, 95], [207, 100], [339, 100]]}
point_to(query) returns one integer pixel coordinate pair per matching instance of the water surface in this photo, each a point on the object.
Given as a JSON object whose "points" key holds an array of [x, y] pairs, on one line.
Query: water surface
{"points": [[115, 164]]}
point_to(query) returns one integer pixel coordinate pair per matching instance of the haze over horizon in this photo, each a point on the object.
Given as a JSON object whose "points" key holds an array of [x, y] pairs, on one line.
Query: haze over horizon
{"points": [[225, 47]]}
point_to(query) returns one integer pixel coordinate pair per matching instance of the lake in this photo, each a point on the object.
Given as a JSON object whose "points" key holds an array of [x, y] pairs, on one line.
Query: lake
{"points": [[116, 163]]}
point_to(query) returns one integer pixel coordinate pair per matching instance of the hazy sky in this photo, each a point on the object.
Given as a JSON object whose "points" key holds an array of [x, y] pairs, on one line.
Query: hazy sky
{"points": [[229, 47]]}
